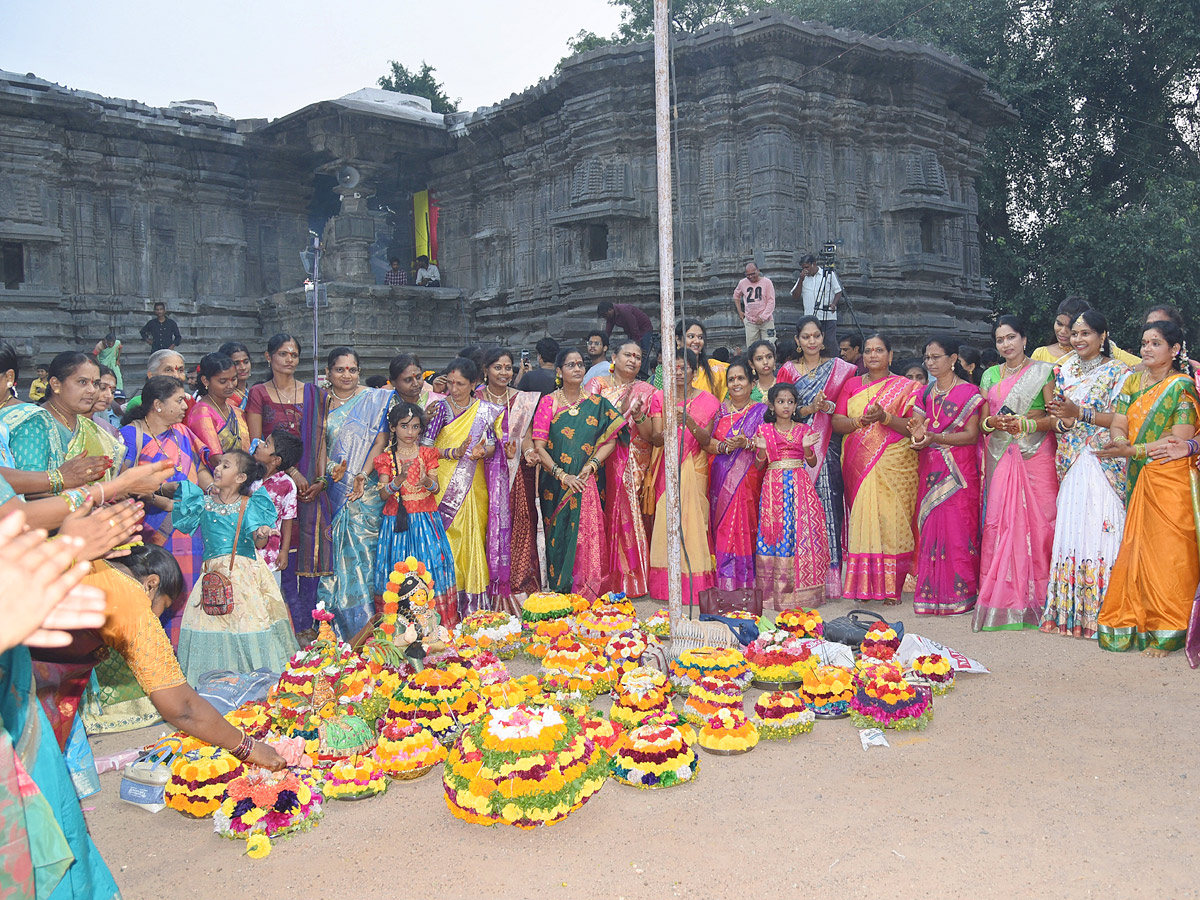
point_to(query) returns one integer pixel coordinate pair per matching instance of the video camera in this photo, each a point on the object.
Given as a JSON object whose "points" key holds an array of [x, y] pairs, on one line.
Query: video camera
{"points": [[828, 255]]}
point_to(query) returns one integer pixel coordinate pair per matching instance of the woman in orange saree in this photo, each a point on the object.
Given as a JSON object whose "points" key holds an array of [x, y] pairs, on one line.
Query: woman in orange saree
{"points": [[879, 468], [1154, 579]]}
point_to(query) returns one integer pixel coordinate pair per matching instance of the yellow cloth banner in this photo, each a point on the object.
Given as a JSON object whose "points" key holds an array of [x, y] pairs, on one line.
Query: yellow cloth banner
{"points": [[421, 223]]}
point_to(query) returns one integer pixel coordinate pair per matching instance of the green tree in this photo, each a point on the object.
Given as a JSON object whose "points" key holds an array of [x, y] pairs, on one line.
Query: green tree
{"points": [[420, 84]]}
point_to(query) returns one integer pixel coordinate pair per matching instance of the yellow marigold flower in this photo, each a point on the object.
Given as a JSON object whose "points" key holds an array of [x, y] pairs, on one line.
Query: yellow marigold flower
{"points": [[258, 846]]}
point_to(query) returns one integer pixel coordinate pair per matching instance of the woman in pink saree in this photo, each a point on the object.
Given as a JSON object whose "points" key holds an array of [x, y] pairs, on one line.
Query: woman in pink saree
{"points": [[694, 415], [819, 381], [1022, 486], [880, 471], [734, 482], [625, 470], [945, 434]]}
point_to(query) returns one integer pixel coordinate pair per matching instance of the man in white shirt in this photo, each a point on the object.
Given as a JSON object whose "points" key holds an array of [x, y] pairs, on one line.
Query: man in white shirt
{"points": [[820, 291], [754, 300], [427, 273]]}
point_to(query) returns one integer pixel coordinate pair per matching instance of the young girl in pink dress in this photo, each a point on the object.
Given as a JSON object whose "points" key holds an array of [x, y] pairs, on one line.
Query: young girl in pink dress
{"points": [[792, 551]]}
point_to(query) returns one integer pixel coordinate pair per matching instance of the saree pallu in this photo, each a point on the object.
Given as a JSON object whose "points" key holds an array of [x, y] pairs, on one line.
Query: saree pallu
{"points": [[309, 560], [697, 557], [218, 434], [513, 561], [45, 839], [350, 432], [624, 481], [734, 482], [830, 377], [792, 549], [1153, 584], [1019, 513], [1091, 503], [880, 472], [948, 504], [472, 522], [39, 443], [576, 545]]}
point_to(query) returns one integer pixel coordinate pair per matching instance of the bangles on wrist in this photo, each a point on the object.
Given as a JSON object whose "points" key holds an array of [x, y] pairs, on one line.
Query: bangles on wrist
{"points": [[985, 427], [1028, 425], [1087, 416], [1139, 451], [242, 751], [56, 481], [1193, 447]]}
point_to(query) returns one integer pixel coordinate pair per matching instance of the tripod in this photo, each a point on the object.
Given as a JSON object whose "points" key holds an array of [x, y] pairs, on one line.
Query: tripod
{"points": [[823, 305]]}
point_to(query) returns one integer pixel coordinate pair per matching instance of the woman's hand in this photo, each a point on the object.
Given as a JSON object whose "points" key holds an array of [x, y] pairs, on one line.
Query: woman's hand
{"points": [[338, 471], [531, 457], [573, 483], [1168, 449], [141, 480], [81, 470], [737, 441], [360, 485], [298, 477], [263, 754], [478, 452], [1115, 451], [510, 449], [439, 384], [310, 492], [100, 530], [873, 414]]}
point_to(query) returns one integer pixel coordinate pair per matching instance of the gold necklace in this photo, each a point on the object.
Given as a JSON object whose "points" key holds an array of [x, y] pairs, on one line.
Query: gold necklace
{"points": [[340, 399], [58, 414], [572, 408], [1013, 370], [503, 401]]}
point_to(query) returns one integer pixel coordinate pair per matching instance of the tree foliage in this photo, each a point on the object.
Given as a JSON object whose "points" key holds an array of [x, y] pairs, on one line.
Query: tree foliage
{"points": [[1094, 190], [420, 83]]}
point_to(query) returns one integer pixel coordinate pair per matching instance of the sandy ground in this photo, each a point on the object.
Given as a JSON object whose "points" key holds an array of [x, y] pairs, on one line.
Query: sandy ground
{"points": [[1068, 772]]}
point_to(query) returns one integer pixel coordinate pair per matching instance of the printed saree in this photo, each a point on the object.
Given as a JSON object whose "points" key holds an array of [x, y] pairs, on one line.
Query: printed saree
{"points": [[734, 481]]}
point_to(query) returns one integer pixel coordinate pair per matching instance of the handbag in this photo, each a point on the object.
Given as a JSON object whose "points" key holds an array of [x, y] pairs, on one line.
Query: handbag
{"points": [[851, 629], [216, 589]]}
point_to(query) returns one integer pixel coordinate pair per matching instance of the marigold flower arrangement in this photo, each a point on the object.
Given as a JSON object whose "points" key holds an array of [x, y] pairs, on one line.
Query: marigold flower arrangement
{"points": [[258, 846], [728, 731], [779, 657], [707, 696], [407, 750], [542, 635], [616, 599], [523, 765], [490, 630], [543, 605], [801, 622], [828, 689], [440, 699], [625, 650], [655, 755], [782, 714], [578, 602], [355, 779], [721, 662], [525, 689], [639, 693], [270, 803], [937, 670], [659, 624], [881, 642], [596, 625], [566, 655], [489, 668], [199, 779], [885, 700], [605, 733], [252, 718]]}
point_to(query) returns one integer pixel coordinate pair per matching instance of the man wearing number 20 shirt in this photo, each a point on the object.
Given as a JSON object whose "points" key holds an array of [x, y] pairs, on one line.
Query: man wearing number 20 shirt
{"points": [[754, 300]]}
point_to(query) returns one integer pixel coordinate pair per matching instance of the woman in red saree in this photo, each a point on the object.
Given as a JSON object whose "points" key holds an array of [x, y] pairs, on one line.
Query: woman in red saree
{"points": [[734, 482], [1022, 486], [625, 470], [945, 434], [694, 414], [879, 468]]}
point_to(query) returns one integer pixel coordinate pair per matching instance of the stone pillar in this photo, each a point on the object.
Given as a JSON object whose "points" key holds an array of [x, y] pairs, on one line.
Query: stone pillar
{"points": [[348, 238]]}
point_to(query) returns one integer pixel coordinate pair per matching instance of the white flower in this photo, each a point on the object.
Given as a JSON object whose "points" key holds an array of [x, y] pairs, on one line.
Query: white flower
{"points": [[683, 773]]}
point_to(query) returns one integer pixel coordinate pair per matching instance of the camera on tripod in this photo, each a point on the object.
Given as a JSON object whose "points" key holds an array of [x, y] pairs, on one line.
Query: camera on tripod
{"points": [[828, 256]]}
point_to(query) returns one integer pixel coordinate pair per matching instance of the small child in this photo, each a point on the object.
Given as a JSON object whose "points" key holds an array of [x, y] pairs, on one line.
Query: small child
{"points": [[37, 387], [278, 452], [408, 472], [257, 631], [792, 550]]}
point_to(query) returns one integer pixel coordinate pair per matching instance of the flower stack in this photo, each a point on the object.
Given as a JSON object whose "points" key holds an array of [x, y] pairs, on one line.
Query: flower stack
{"points": [[542, 635], [355, 779], [801, 622], [625, 650], [728, 732], [252, 718], [199, 779], [545, 605], [440, 699], [489, 668], [523, 765], [884, 699], [881, 642], [639, 694], [655, 755], [603, 621], [489, 630], [779, 658], [720, 662], [406, 750], [782, 714], [270, 803], [605, 734], [707, 696], [659, 624], [937, 670], [525, 689], [828, 689]]}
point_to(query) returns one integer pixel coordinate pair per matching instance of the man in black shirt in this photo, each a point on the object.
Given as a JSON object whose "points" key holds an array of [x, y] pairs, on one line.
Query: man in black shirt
{"points": [[160, 332], [542, 378]]}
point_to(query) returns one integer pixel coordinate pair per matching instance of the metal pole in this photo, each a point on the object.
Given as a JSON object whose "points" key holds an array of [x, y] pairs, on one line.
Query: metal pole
{"points": [[666, 296], [316, 306]]}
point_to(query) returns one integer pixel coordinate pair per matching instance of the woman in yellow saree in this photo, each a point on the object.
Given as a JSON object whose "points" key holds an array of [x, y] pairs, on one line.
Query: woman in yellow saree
{"points": [[1154, 579], [879, 468]]}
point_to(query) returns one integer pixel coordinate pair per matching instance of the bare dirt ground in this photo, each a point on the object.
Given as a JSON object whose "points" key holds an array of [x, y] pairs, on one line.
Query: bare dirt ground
{"points": [[1067, 772]]}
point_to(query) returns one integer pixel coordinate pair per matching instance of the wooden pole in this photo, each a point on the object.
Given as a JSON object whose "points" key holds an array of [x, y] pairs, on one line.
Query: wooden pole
{"points": [[666, 296]]}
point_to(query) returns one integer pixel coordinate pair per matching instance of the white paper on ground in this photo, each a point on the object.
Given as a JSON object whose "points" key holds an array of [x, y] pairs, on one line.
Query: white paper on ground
{"points": [[914, 645], [830, 652], [872, 737]]}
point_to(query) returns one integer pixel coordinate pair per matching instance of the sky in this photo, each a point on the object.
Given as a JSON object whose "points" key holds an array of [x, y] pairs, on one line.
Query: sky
{"points": [[266, 58]]}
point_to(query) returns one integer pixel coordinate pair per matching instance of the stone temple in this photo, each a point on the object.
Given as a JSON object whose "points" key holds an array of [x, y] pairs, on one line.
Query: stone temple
{"points": [[789, 135]]}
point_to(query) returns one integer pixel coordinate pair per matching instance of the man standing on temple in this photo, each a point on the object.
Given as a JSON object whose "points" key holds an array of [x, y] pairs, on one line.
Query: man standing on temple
{"points": [[820, 290], [160, 332], [754, 300]]}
